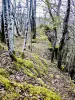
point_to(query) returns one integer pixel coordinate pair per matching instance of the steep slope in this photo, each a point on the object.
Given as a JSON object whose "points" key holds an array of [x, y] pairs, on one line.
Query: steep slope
{"points": [[34, 77], [21, 80]]}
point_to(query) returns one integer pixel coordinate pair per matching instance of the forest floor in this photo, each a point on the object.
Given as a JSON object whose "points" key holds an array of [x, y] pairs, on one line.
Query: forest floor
{"points": [[38, 76]]}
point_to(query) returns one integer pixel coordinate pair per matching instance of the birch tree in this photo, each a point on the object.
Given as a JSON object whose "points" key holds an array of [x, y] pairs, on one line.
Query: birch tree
{"points": [[8, 26], [5, 18], [26, 26]]}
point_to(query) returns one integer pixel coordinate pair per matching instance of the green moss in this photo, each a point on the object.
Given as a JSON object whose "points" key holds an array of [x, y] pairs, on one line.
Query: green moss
{"points": [[24, 69], [50, 45], [28, 72], [8, 84], [32, 69], [15, 84], [39, 60], [11, 96], [35, 91], [41, 31], [26, 66], [1, 46], [36, 57], [18, 66], [26, 63], [43, 92], [29, 64], [51, 75], [5, 82], [3, 72], [22, 55], [40, 70], [62, 67], [35, 72], [46, 27], [42, 35], [44, 61], [42, 67], [41, 64], [41, 82], [20, 61], [25, 98]]}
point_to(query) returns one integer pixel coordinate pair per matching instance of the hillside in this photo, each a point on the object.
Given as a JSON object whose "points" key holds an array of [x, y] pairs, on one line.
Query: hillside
{"points": [[34, 77]]}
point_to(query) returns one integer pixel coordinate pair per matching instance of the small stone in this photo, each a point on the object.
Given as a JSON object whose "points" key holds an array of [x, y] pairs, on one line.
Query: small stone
{"points": [[18, 78], [57, 76]]}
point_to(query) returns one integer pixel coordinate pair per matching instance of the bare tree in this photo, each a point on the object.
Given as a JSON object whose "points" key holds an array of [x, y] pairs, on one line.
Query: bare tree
{"points": [[54, 28], [64, 32], [5, 19]]}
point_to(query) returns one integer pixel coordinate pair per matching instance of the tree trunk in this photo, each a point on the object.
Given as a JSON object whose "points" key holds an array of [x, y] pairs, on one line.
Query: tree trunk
{"points": [[65, 30], [58, 8], [2, 36], [34, 19], [54, 29], [5, 17]]}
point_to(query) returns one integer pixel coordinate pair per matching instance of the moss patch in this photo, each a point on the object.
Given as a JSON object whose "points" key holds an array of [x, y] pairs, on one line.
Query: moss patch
{"points": [[1, 46], [26, 63], [4, 81], [41, 92], [41, 64], [14, 89], [8, 84], [3, 72], [11, 96], [42, 35], [50, 45], [27, 66], [34, 67], [62, 68]]}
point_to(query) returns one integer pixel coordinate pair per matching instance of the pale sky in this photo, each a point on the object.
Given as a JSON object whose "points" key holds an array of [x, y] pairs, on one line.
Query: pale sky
{"points": [[39, 8]]}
